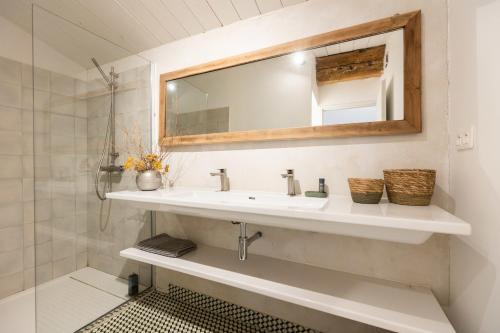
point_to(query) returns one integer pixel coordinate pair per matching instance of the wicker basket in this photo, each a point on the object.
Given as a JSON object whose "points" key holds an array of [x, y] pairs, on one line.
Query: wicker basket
{"points": [[412, 187], [366, 190]]}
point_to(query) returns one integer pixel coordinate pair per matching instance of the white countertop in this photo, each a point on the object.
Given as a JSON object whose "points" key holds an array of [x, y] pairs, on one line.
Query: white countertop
{"points": [[384, 221]]}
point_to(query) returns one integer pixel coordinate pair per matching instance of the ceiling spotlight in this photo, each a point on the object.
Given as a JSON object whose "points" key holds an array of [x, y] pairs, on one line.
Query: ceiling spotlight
{"points": [[299, 58], [171, 86]]}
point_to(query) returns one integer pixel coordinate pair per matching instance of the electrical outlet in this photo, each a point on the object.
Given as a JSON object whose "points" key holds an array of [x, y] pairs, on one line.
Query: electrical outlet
{"points": [[465, 140]]}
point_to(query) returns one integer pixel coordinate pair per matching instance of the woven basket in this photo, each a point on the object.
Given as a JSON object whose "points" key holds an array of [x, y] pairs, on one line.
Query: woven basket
{"points": [[412, 187], [366, 190]]}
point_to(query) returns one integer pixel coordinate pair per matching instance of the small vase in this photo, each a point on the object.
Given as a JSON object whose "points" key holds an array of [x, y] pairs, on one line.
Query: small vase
{"points": [[148, 180]]}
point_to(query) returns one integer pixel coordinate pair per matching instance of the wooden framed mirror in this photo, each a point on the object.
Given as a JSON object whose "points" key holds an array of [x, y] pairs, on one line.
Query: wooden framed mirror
{"points": [[363, 80]]}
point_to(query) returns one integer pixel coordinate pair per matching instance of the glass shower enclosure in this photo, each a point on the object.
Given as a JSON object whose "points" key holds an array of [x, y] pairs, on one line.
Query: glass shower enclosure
{"points": [[91, 102]]}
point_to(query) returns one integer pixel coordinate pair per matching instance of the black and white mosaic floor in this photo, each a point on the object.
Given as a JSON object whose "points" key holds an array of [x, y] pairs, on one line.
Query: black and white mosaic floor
{"points": [[183, 311]]}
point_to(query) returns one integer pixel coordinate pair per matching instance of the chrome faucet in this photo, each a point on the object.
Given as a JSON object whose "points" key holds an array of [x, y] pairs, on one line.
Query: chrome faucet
{"points": [[289, 175], [224, 181], [244, 241]]}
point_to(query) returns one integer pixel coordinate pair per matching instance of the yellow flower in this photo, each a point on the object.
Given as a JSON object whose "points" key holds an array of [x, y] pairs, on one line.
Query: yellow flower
{"points": [[129, 163], [151, 157], [156, 165], [167, 168], [140, 166]]}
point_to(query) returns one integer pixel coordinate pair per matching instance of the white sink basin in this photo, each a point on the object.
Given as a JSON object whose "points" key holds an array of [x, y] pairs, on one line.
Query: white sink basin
{"points": [[253, 199]]}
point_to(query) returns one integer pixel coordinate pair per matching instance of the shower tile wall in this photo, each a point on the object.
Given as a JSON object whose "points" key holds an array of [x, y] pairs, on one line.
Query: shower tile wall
{"points": [[12, 155], [57, 144], [59, 165], [57, 129], [200, 122], [112, 225]]}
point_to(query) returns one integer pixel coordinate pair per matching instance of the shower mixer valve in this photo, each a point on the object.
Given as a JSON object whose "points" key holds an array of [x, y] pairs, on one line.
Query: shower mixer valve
{"points": [[112, 168]]}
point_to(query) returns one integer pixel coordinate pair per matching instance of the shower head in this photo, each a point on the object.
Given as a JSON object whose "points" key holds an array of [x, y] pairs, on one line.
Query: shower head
{"points": [[105, 77]]}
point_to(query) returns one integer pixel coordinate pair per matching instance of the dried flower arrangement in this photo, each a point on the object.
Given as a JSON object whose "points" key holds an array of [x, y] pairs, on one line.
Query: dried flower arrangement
{"points": [[146, 162], [141, 159]]}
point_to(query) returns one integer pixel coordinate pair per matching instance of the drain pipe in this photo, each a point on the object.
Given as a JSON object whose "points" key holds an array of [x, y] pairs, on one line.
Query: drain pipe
{"points": [[244, 242]]}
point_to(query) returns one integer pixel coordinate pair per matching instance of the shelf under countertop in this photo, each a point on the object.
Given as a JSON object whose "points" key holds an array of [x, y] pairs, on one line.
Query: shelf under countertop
{"points": [[379, 303]]}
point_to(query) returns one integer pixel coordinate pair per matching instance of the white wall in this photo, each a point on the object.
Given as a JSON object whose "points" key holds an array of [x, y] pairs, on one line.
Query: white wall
{"points": [[394, 75], [349, 92], [16, 45], [475, 180], [339, 157], [274, 93], [185, 97], [258, 165]]}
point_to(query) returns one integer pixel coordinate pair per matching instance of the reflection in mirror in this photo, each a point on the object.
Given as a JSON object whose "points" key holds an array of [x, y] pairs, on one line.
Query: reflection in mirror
{"points": [[351, 82]]}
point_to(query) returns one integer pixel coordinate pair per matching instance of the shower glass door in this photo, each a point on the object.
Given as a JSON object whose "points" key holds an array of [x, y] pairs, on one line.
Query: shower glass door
{"points": [[82, 119]]}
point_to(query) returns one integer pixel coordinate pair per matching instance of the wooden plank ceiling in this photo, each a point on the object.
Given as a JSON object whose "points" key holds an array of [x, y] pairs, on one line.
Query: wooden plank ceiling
{"points": [[135, 25]]}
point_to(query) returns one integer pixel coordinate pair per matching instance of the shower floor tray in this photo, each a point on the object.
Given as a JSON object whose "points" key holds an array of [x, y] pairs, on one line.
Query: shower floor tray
{"points": [[183, 311]]}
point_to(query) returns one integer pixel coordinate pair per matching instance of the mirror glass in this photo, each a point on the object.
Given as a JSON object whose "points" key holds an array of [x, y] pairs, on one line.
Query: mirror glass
{"points": [[356, 81]]}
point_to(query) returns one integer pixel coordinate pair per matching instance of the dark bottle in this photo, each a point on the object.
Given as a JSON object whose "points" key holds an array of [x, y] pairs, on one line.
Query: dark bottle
{"points": [[321, 185], [133, 284]]}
